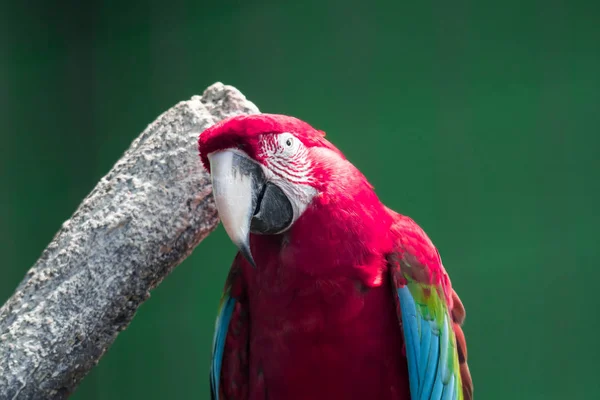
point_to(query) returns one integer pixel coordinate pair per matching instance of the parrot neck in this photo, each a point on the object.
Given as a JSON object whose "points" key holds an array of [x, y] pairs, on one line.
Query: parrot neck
{"points": [[345, 230]]}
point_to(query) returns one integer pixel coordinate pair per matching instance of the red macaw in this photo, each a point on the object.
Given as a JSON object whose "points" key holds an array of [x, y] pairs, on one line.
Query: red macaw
{"points": [[332, 295]]}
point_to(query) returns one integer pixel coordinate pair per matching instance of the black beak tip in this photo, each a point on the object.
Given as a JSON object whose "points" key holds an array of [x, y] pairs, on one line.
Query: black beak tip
{"points": [[245, 250]]}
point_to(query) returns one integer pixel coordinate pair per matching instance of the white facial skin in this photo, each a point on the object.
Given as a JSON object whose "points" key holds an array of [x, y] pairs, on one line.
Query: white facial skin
{"points": [[289, 167]]}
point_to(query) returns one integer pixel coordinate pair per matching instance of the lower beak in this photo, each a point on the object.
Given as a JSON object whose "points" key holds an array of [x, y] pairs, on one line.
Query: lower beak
{"points": [[245, 200]]}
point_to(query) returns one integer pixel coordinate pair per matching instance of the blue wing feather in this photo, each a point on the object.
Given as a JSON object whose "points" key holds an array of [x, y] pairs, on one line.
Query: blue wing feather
{"points": [[425, 346], [430, 314], [221, 327], [431, 365], [449, 392], [430, 350], [409, 317]]}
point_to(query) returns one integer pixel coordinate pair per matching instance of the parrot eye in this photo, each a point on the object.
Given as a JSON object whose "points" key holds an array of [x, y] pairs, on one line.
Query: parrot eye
{"points": [[288, 143]]}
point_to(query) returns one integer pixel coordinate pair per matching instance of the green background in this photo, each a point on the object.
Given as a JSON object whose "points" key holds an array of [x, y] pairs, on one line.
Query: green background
{"points": [[481, 121]]}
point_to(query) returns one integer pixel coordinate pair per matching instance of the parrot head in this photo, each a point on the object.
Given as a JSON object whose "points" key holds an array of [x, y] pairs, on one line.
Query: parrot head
{"points": [[265, 170]]}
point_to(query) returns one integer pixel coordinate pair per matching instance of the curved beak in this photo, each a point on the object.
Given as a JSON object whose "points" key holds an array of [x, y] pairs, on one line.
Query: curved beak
{"points": [[245, 200]]}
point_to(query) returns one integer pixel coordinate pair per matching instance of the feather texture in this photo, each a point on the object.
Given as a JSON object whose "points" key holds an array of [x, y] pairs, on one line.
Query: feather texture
{"points": [[229, 365], [324, 323], [430, 314], [221, 326]]}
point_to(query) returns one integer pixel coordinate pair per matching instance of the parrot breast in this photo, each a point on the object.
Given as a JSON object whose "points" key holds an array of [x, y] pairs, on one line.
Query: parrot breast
{"points": [[324, 325], [325, 337]]}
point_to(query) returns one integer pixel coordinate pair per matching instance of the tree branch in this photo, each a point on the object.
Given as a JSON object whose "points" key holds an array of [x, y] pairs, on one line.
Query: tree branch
{"points": [[140, 221]]}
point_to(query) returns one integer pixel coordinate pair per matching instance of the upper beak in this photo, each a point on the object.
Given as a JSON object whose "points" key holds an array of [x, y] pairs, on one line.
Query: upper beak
{"points": [[245, 200]]}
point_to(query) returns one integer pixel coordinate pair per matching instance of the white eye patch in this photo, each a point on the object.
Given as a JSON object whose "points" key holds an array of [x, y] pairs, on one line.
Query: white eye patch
{"points": [[288, 143]]}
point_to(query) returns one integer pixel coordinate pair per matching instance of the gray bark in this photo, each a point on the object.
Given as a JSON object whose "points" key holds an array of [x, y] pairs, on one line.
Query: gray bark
{"points": [[140, 221]]}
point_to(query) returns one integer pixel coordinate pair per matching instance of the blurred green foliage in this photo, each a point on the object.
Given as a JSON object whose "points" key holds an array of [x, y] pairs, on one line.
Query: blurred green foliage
{"points": [[479, 120]]}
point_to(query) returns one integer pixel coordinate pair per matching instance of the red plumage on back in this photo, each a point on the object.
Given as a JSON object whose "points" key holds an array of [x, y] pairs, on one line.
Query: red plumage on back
{"points": [[321, 315]]}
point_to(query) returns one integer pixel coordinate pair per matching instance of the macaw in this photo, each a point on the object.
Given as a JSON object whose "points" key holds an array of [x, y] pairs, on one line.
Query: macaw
{"points": [[332, 295]]}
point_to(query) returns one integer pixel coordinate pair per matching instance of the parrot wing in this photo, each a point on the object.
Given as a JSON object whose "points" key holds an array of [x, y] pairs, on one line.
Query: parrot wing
{"points": [[431, 315], [229, 362]]}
